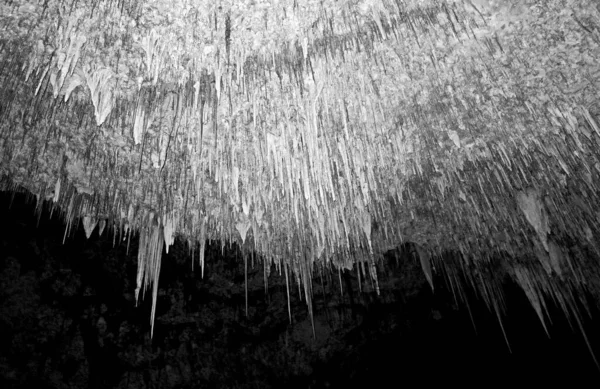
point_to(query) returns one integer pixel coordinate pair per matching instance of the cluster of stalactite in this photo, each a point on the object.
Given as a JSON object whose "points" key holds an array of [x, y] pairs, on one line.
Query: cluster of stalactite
{"points": [[316, 135]]}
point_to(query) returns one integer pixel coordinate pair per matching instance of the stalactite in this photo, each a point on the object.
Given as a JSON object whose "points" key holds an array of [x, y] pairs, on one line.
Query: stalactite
{"points": [[150, 249]]}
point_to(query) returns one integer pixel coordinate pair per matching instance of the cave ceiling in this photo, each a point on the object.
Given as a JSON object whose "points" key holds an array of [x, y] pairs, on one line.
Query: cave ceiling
{"points": [[314, 132]]}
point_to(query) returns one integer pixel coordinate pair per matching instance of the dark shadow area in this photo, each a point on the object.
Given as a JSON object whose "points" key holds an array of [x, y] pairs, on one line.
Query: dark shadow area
{"points": [[68, 319]]}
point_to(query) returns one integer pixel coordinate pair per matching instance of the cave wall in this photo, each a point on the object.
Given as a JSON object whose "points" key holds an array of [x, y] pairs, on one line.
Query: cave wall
{"points": [[68, 319]]}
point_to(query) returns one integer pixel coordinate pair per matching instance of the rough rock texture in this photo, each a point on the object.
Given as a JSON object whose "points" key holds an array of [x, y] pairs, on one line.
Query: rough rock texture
{"points": [[68, 319]]}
